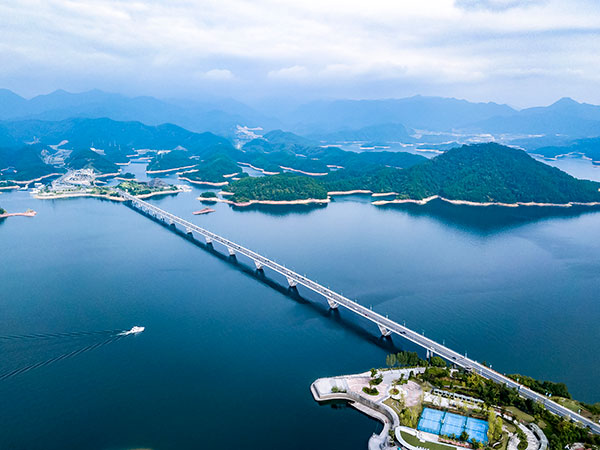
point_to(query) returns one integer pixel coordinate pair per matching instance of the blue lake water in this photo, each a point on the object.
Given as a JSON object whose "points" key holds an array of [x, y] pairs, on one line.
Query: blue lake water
{"points": [[227, 358]]}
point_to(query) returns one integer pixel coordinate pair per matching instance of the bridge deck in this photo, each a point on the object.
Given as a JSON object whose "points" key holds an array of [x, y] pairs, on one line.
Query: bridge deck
{"points": [[385, 325]]}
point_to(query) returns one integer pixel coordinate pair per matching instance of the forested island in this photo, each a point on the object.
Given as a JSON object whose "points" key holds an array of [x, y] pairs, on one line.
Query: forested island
{"points": [[478, 174]]}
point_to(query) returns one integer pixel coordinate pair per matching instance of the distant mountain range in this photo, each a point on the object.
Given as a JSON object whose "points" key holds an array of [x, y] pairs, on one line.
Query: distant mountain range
{"points": [[565, 117], [329, 120], [220, 117]]}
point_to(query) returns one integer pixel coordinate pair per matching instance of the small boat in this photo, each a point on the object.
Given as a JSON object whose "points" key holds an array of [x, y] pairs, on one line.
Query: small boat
{"points": [[134, 330], [203, 211]]}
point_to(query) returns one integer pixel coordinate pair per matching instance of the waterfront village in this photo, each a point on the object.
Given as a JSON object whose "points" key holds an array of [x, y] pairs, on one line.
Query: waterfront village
{"points": [[427, 405], [87, 183]]}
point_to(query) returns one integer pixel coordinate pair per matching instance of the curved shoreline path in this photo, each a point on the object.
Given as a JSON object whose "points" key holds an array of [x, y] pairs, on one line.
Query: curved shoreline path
{"points": [[386, 326]]}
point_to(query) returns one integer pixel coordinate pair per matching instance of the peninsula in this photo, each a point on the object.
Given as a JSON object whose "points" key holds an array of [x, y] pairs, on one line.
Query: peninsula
{"points": [[426, 404], [4, 214]]}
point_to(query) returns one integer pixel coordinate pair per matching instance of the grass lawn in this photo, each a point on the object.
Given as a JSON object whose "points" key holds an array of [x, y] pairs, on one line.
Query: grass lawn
{"points": [[520, 414], [575, 406], [394, 404], [413, 440]]}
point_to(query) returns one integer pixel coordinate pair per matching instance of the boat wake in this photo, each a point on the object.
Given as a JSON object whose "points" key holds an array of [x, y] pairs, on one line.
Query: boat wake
{"points": [[114, 335]]}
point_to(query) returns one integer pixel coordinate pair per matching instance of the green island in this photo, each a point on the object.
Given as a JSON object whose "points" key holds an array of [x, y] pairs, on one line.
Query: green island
{"points": [[481, 174], [419, 395], [282, 187]]}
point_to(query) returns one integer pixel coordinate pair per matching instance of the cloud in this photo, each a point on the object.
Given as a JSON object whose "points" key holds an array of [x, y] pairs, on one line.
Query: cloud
{"points": [[218, 75], [491, 49], [289, 73], [497, 5]]}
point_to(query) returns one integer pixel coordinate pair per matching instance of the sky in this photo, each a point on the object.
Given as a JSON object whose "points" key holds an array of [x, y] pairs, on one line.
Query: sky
{"points": [[520, 52]]}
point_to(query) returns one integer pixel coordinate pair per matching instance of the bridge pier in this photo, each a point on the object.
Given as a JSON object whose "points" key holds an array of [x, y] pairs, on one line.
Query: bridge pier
{"points": [[291, 282], [189, 231], [258, 265], [231, 251], [208, 240], [384, 331], [332, 303]]}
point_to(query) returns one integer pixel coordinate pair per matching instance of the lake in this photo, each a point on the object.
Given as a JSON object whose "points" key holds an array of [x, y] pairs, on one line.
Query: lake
{"points": [[227, 357]]}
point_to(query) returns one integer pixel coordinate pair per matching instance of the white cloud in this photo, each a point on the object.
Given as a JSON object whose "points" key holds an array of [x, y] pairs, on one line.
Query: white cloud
{"points": [[218, 75], [289, 73]]}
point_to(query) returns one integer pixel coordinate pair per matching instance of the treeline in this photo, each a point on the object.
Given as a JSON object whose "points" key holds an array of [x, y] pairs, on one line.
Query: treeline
{"points": [[171, 160], [214, 169], [411, 359], [542, 387], [89, 159], [283, 187]]}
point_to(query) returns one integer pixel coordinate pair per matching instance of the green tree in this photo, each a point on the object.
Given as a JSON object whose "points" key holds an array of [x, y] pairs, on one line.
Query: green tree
{"points": [[436, 361], [390, 360]]}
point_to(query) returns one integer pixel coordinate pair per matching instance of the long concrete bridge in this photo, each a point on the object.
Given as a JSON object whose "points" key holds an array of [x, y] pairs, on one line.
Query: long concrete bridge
{"points": [[385, 325]]}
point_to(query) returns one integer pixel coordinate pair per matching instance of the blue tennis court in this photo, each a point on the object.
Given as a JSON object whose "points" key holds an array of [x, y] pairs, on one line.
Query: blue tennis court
{"points": [[477, 429], [453, 424], [430, 421], [445, 423]]}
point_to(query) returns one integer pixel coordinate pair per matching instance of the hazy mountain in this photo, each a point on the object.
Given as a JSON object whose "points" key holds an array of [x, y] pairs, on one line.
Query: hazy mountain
{"points": [[387, 132], [588, 147], [431, 113], [564, 117], [220, 116], [111, 136]]}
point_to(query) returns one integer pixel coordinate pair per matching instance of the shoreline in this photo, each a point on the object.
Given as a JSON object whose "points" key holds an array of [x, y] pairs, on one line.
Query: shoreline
{"points": [[35, 179], [308, 201], [257, 168], [209, 183], [469, 203], [352, 192], [312, 174], [150, 172], [104, 196]]}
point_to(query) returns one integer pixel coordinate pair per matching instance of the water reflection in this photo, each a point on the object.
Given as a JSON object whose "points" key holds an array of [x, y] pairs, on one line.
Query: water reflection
{"points": [[488, 219]]}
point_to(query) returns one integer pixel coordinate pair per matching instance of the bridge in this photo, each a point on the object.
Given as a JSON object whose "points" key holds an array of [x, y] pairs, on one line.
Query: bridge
{"points": [[385, 325]]}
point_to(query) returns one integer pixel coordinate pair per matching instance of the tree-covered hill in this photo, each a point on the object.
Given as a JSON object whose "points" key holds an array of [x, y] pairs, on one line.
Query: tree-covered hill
{"points": [[282, 187], [23, 163], [116, 139], [88, 159], [493, 173], [214, 169], [171, 160]]}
